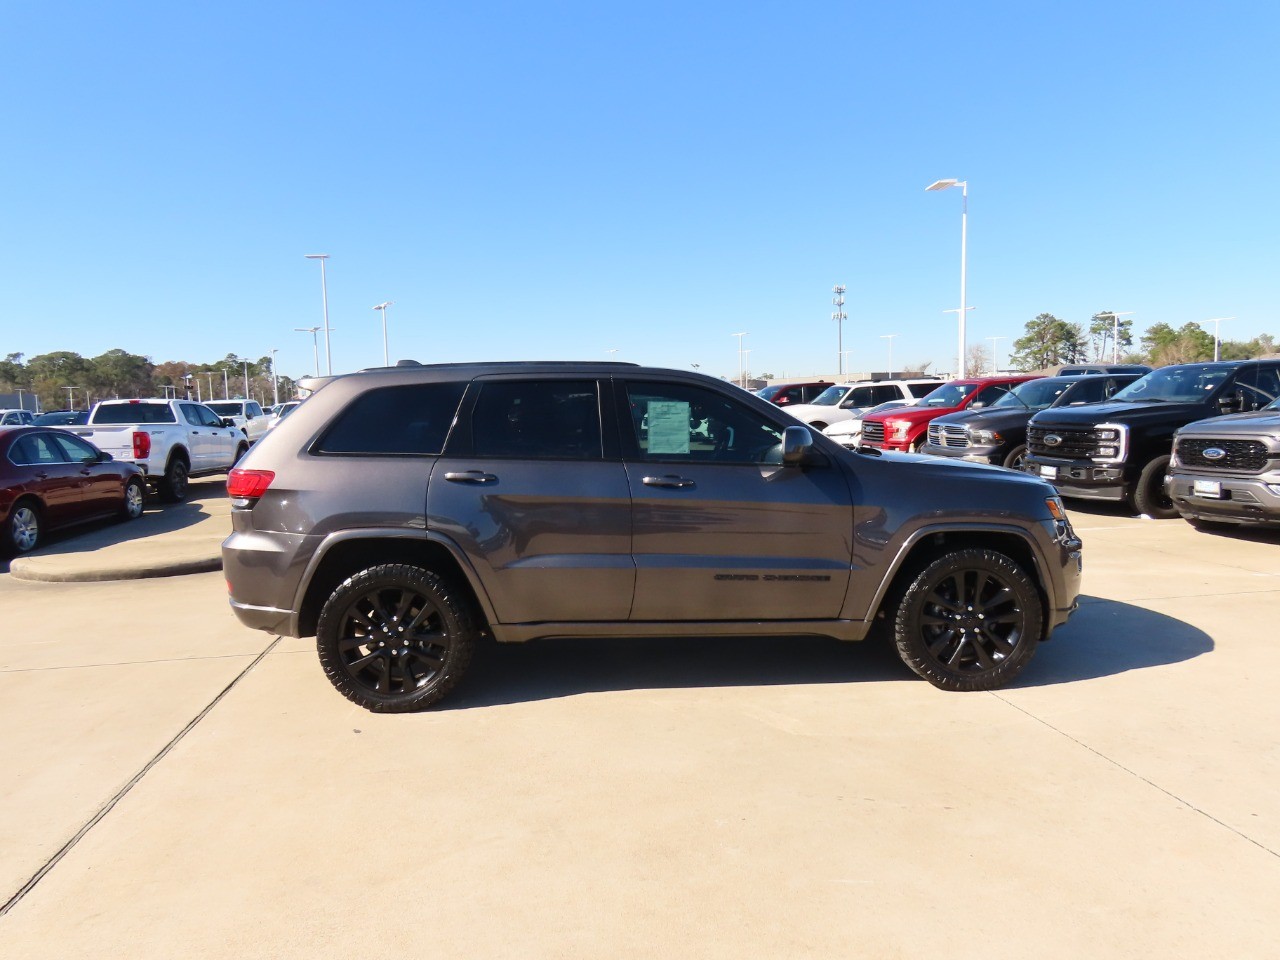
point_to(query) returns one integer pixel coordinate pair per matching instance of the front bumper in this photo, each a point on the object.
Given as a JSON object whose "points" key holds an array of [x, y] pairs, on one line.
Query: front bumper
{"points": [[1081, 479], [1238, 499], [987, 453]]}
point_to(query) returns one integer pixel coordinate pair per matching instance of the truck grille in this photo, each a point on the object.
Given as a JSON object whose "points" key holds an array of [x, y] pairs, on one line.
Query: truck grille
{"points": [[1240, 454], [872, 431], [1073, 443], [948, 435]]}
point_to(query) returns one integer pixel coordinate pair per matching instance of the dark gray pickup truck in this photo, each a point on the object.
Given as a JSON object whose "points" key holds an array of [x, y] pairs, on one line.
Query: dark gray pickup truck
{"points": [[1226, 470], [402, 513]]}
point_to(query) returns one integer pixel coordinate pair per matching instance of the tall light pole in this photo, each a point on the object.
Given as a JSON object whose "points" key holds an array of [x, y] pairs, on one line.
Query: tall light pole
{"points": [[611, 353], [226, 384], [275, 381], [210, 378], [315, 344], [961, 365], [1217, 343], [246, 380], [382, 308], [889, 337], [324, 294], [964, 233], [843, 354], [839, 317], [995, 366], [742, 362], [71, 392], [1115, 332]]}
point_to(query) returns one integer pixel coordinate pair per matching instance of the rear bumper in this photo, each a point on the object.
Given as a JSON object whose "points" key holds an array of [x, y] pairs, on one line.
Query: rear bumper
{"points": [[270, 619]]}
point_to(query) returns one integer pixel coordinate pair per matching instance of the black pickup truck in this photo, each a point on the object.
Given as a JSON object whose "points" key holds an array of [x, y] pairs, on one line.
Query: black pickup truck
{"points": [[1119, 450]]}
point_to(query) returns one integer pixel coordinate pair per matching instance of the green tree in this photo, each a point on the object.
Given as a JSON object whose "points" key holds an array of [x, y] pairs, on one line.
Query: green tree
{"points": [[120, 373], [1102, 327], [1188, 344], [1048, 342]]}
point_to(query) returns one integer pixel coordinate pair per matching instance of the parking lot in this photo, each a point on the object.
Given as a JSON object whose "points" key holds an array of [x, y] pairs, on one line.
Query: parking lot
{"points": [[178, 785]]}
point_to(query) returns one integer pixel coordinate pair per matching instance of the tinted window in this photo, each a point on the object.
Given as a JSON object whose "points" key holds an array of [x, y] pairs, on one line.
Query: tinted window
{"points": [[207, 416], [108, 413], [991, 394], [679, 422], [921, 389], [862, 397], [413, 419], [254, 411], [1260, 385], [537, 419], [192, 414], [76, 450], [35, 448]]}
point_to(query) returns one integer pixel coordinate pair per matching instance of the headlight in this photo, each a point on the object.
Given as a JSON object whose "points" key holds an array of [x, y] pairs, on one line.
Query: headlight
{"points": [[985, 436], [1113, 443], [900, 428]]}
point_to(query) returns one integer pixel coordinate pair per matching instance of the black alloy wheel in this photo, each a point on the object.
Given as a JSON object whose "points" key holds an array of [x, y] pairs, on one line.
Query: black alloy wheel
{"points": [[1017, 457], [395, 638], [970, 620]]}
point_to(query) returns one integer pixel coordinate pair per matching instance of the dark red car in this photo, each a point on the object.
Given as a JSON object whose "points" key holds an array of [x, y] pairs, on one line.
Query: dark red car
{"points": [[906, 428], [786, 394], [51, 478]]}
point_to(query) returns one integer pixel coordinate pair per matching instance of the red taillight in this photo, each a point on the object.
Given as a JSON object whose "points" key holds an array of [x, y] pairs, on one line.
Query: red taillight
{"points": [[141, 445], [248, 484]]}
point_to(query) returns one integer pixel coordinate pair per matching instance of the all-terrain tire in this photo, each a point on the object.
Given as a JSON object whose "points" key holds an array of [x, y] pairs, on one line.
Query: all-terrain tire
{"points": [[970, 620], [395, 638], [176, 481], [1149, 494]]}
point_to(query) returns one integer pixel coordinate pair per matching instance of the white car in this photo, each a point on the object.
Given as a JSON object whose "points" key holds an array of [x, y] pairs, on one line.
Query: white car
{"points": [[844, 401], [246, 414], [16, 418], [848, 433]]}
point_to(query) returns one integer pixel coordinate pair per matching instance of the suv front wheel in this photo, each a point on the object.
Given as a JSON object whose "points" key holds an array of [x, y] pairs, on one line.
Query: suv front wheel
{"points": [[970, 620], [395, 638]]}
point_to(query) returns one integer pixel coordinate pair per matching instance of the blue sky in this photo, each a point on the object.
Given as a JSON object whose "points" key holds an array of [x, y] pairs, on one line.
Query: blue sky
{"points": [[557, 180]]}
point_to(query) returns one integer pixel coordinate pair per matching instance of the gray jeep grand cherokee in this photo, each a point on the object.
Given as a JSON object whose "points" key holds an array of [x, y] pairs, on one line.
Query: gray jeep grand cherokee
{"points": [[402, 513]]}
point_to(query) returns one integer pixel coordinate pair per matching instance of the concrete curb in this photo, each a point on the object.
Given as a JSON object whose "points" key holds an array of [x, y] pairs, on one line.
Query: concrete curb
{"points": [[22, 569]]}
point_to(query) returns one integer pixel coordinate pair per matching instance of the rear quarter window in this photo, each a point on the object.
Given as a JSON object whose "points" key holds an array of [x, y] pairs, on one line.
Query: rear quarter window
{"points": [[413, 420]]}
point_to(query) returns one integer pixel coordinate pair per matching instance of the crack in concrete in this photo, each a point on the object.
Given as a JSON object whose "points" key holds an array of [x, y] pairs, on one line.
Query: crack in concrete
{"points": [[1133, 773], [133, 782], [134, 663]]}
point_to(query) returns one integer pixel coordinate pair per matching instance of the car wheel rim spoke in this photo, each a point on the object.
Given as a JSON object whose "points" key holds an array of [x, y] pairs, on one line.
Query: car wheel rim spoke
{"points": [[971, 621], [393, 641]]}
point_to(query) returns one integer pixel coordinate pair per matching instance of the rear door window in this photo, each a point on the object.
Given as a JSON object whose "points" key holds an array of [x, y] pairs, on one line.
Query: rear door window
{"points": [[921, 389], [537, 420], [405, 420]]}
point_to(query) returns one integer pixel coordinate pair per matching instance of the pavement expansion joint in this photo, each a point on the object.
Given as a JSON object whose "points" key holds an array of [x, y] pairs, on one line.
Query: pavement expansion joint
{"points": [[133, 782], [1133, 773]]}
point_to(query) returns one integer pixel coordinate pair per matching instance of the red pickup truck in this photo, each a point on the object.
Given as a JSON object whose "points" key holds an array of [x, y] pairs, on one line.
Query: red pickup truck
{"points": [[905, 428]]}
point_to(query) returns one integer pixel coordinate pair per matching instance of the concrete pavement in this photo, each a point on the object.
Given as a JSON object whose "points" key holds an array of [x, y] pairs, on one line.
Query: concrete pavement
{"points": [[758, 798], [167, 540]]}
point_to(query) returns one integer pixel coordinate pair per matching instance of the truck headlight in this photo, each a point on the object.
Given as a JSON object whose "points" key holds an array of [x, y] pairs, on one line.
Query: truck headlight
{"points": [[1112, 443], [985, 436], [900, 429]]}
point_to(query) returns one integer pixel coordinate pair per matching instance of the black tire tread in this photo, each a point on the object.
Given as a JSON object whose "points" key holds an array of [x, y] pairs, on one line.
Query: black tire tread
{"points": [[450, 601], [165, 486], [907, 638], [1146, 499]]}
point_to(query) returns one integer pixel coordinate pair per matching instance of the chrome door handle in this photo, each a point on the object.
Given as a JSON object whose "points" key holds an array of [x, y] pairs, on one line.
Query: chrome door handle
{"points": [[471, 476], [670, 480]]}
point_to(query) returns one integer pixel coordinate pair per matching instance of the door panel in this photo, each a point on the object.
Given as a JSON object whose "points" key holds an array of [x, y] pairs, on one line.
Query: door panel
{"points": [[720, 530], [57, 482], [101, 489], [526, 492]]}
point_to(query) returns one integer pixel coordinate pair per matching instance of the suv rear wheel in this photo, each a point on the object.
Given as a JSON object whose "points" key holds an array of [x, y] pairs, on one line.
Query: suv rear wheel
{"points": [[970, 620], [395, 638]]}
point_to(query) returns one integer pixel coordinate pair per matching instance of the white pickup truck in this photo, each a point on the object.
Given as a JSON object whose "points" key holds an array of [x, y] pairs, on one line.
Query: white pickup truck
{"points": [[171, 440]]}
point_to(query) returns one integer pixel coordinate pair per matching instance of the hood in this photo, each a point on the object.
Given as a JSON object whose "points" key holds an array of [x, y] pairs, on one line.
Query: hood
{"points": [[914, 414], [946, 470], [988, 419], [1117, 411], [1252, 424]]}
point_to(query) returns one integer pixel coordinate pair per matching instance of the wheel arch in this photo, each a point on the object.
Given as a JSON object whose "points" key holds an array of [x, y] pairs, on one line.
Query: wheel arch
{"points": [[342, 554], [929, 543]]}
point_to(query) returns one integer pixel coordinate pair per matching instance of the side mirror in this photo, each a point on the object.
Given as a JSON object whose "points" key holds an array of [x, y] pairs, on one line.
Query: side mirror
{"points": [[977, 405], [797, 444], [1232, 402], [104, 457], [228, 422]]}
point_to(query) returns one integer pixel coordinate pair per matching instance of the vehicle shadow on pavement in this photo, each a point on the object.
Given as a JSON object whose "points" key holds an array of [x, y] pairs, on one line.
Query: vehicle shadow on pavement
{"points": [[1106, 637], [1103, 638]]}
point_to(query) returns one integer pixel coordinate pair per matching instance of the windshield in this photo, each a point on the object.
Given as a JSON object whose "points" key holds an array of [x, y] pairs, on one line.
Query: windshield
{"points": [[948, 395], [830, 396], [233, 408], [1033, 395], [1186, 383], [767, 393], [1273, 405]]}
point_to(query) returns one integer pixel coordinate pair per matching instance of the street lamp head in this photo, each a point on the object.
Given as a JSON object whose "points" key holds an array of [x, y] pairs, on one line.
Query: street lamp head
{"points": [[316, 256], [383, 305], [943, 184], [305, 329]]}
